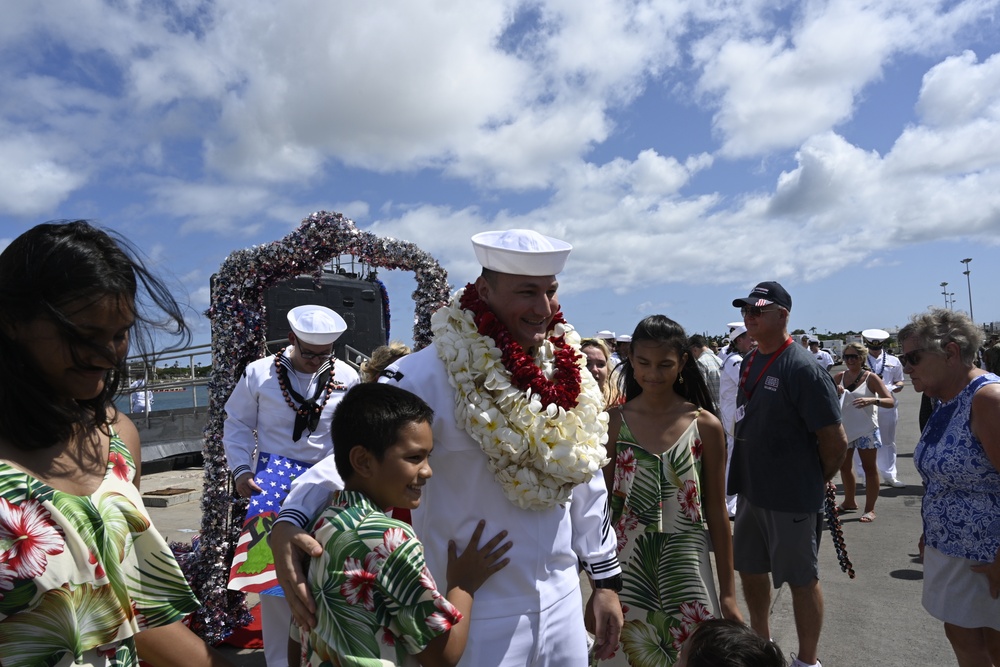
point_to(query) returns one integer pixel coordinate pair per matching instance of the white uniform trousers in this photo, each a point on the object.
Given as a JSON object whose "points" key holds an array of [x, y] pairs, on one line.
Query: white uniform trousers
{"points": [[886, 459], [730, 499], [554, 637], [275, 619]]}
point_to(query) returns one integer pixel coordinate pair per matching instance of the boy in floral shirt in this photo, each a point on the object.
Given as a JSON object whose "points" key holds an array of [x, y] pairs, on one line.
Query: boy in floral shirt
{"points": [[375, 598]]}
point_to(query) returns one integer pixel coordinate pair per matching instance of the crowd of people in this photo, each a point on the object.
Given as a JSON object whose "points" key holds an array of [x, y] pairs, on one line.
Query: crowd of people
{"points": [[446, 501]]}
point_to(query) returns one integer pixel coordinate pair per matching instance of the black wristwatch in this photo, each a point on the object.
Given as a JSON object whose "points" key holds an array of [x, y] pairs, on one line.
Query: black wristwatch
{"points": [[610, 583]]}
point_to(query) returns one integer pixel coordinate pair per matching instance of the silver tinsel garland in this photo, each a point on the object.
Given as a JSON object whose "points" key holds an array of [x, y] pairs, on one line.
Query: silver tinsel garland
{"points": [[238, 337]]}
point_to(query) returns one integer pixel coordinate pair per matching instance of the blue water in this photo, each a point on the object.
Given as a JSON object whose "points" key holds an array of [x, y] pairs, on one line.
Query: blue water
{"points": [[186, 398]]}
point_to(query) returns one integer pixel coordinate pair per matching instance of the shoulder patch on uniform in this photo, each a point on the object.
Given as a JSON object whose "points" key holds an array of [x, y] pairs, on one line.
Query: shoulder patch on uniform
{"points": [[392, 374]]}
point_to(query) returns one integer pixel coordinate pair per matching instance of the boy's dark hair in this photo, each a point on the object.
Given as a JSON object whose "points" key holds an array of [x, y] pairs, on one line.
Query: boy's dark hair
{"points": [[690, 383], [696, 340], [724, 643], [371, 415]]}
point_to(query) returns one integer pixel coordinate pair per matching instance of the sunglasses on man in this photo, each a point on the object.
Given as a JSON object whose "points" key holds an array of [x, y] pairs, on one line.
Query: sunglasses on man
{"points": [[755, 311]]}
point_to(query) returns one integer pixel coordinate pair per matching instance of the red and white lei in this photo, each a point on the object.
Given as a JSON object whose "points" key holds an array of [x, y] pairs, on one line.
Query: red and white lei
{"points": [[540, 421]]}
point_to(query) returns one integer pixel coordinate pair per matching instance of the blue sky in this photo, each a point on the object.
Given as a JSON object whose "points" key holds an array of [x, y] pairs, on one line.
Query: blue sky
{"points": [[687, 149]]}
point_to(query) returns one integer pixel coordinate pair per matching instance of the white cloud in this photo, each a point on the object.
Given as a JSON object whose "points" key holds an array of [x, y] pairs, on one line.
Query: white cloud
{"points": [[777, 86], [32, 180]]}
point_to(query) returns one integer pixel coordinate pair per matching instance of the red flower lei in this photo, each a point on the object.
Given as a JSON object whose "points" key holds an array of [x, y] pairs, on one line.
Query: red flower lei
{"points": [[564, 387]]}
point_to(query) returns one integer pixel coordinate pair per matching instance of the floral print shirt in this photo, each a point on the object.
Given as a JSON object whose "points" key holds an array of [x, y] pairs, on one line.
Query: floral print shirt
{"points": [[80, 575], [961, 505], [377, 603]]}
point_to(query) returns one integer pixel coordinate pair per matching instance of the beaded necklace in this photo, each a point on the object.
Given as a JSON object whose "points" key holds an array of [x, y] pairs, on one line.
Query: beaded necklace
{"points": [[308, 412]]}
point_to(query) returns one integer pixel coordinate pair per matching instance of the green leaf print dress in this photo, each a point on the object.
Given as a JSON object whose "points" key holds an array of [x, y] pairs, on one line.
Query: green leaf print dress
{"points": [[80, 575], [663, 548]]}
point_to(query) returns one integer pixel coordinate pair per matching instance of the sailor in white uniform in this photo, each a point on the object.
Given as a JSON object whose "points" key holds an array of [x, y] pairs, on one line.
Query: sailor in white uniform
{"points": [[533, 613], [283, 405], [889, 368], [740, 343]]}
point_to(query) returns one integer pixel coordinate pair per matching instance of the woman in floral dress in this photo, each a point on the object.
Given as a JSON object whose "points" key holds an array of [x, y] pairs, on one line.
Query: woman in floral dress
{"points": [[85, 579], [667, 472]]}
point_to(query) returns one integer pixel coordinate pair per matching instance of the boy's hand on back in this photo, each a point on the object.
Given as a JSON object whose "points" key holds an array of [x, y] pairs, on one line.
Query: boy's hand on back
{"points": [[470, 569]]}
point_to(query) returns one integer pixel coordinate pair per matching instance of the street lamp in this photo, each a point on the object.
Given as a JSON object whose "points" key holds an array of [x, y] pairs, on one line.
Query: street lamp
{"points": [[968, 281], [944, 290]]}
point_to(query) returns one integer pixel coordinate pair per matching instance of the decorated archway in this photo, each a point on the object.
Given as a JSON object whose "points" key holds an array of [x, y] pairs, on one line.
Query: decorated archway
{"points": [[239, 325]]}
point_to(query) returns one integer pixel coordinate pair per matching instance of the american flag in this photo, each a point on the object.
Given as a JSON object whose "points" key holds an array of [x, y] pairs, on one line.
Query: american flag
{"points": [[252, 570]]}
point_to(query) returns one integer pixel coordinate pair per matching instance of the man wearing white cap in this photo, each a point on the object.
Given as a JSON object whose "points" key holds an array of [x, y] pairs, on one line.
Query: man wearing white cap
{"points": [[740, 343], [282, 407], [889, 368], [622, 344], [498, 456], [822, 357]]}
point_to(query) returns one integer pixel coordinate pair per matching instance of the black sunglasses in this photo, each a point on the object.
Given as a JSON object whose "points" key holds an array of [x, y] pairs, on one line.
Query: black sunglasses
{"points": [[755, 311], [851, 356], [308, 355], [912, 357]]}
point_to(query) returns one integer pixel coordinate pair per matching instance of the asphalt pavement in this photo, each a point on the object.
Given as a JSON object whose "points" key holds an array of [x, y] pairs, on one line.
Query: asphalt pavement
{"points": [[874, 619]]}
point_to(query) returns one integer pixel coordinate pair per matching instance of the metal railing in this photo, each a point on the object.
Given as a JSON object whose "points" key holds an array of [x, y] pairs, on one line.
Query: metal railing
{"points": [[147, 365]]}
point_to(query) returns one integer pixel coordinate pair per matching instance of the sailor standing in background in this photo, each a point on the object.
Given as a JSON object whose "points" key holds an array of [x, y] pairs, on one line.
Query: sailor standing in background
{"points": [[889, 368], [740, 343], [282, 407]]}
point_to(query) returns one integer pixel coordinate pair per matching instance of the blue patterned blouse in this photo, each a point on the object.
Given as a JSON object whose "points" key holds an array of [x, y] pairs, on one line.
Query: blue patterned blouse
{"points": [[961, 506]]}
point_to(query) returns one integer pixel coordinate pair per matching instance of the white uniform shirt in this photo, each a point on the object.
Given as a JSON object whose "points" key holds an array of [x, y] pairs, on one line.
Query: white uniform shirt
{"points": [[257, 414], [729, 384], [548, 545], [890, 369], [823, 358]]}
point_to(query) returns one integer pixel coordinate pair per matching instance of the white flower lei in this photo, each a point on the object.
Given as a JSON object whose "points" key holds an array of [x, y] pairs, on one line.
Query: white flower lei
{"points": [[536, 454]]}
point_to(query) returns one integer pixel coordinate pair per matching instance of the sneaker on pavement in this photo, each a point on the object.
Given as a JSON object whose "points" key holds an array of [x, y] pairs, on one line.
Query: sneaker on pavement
{"points": [[798, 663], [894, 483]]}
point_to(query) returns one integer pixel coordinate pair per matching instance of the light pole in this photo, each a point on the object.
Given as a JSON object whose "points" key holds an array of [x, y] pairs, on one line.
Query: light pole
{"points": [[944, 290], [968, 282]]}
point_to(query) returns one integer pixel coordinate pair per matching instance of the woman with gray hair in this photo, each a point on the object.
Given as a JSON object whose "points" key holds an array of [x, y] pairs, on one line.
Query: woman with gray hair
{"points": [[958, 457]]}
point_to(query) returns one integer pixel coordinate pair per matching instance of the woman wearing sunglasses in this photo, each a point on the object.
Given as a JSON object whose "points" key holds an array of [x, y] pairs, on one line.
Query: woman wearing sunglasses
{"points": [[861, 391], [958, 457]]}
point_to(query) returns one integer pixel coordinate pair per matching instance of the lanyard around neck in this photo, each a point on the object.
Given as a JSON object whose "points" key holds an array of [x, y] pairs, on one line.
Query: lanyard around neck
{"points": [[753, 355]]}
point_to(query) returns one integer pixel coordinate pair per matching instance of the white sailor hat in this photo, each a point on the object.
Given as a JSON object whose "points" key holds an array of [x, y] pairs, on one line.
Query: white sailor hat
{"points": [[316, 325], [875, 335], [734, 325], [737, 332], [522, 252], [623, 338], [605, 335]]}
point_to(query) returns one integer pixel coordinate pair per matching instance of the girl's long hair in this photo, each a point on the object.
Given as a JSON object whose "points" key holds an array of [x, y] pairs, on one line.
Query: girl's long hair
{"points": [[663, 330], [44, 270]]}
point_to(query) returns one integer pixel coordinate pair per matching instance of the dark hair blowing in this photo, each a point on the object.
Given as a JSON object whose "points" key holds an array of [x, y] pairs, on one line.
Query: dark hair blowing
{"points": [[371, 415], [663, 330], [44, 270], [724, 643]]}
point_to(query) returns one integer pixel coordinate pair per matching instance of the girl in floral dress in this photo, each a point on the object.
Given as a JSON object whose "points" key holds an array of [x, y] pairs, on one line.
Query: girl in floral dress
{"points": [[667, 475], [85, 579]]}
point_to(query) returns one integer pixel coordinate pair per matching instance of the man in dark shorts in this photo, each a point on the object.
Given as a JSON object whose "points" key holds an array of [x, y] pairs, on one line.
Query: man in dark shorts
{"points": [[788, 444]]}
